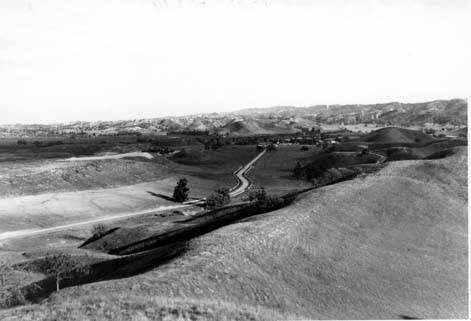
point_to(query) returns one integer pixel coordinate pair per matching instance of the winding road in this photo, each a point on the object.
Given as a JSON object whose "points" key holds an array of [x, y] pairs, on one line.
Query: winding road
{"points": [[242, 185]]}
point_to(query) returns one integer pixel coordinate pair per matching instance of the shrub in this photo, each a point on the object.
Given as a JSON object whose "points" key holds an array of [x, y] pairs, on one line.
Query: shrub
{"points": [[218, 198], [98, 231], [11, 296], [256, 193], [273, 201]]}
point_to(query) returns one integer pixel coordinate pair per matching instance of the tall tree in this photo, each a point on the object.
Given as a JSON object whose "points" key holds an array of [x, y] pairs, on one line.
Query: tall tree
{"points": [[181, 191]]}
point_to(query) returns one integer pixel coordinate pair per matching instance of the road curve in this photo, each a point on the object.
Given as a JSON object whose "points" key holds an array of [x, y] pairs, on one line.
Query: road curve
{"points": [[244, 182], [241, 187]]}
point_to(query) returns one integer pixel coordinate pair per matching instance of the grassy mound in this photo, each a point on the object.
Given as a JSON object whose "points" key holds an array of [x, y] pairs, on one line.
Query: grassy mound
{"points": [[397, 135], [430, 151]]}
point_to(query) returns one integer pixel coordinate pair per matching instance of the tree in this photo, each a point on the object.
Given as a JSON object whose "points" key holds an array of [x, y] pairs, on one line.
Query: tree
{"points": [[298, 170], [218, 198], [180, 193], [304, 148], [62, 266], [257, 193]]}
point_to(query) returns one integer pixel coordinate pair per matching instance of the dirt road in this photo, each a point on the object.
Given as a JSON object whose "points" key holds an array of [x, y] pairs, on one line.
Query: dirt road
{"points": [[114, 156]]}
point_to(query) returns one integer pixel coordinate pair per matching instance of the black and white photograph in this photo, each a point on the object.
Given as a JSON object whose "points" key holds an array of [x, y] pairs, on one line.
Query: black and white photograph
{"points": [[252, 160]]}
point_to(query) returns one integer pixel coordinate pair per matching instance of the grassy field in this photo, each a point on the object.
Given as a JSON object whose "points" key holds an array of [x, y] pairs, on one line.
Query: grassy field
{"points": [[274, 170], [391, 245]]}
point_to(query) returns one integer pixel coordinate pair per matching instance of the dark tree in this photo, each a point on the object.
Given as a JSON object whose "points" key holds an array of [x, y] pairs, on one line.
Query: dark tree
{"points": [[180, 193]]}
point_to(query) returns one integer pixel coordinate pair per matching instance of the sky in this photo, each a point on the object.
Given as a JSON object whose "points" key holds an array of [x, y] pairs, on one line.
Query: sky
{"points": [[92, 60]]}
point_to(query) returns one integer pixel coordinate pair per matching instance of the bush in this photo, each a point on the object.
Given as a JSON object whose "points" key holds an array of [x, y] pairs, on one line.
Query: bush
{"points": [[11, 296], [219, 198], [304, 148], [256, 193], [98, 231]]}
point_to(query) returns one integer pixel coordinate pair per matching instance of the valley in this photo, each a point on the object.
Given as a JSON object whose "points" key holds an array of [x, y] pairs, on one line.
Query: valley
{"points": [[310, 221]]}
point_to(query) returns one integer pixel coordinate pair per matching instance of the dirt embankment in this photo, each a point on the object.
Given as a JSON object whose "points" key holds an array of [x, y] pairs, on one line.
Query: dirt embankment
{"points": [[391, 245], [35, 177]]}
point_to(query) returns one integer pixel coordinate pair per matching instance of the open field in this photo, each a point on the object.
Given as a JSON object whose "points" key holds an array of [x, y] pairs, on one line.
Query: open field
{"points": [[274, 170], [390, 245]]}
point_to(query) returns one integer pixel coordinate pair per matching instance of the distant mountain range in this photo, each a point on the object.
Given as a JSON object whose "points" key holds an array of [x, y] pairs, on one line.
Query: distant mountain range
{"points": [[452, 111], [280, 119]]}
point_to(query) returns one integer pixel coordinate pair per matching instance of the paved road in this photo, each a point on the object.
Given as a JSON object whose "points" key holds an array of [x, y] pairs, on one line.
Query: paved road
{"points": [[244, 182], [241, 187]]}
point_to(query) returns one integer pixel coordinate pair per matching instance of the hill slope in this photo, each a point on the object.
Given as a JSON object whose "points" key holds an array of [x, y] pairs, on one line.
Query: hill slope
{"points": [[397, 135], [391, 245], [254, 127]]}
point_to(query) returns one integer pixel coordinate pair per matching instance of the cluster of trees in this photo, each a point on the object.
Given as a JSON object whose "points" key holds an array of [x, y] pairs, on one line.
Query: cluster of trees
{"points": [[154, 149], [218, 198], [256, 193], [310, 171], [216, 142]]}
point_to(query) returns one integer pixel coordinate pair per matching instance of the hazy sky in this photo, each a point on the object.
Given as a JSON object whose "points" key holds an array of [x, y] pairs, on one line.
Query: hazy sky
{"points": [[90, 60]]}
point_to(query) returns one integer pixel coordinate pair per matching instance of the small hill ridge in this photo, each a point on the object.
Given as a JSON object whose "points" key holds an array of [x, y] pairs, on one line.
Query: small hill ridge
{"points": [[397, 135], [254, 127]]}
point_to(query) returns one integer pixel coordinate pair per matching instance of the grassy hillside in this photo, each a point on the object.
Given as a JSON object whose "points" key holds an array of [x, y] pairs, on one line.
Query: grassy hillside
{"points": [[397, 135], [391, 245], [250, 126]]}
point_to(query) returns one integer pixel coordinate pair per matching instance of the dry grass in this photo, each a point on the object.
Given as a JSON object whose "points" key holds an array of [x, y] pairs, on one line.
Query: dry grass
{"points": [[118, 307], [274, 170], [393, 243]]}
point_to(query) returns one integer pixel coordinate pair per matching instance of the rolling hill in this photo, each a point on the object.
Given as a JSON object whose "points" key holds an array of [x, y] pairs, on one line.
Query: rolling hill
{"points": [[397, 135], [391, 245], [252, 126], [453, 111]]}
